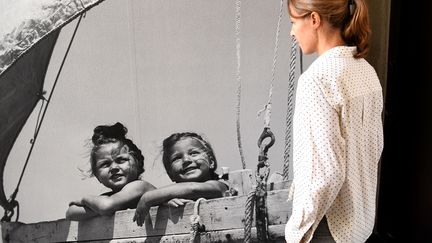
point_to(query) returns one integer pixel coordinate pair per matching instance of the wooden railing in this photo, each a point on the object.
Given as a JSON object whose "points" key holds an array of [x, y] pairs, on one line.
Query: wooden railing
{"points": [[222, 220]]}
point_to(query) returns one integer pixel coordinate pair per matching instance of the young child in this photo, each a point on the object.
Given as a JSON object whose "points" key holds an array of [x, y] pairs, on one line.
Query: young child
{"points": [[117, 163], [190, 162]]}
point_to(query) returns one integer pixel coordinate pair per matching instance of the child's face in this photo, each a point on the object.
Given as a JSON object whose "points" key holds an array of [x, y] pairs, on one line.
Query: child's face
{"points": [[189, 161], [115, 166]]}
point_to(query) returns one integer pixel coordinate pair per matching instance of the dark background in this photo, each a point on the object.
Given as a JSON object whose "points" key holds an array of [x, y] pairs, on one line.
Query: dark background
{"points": [[405, 189]]}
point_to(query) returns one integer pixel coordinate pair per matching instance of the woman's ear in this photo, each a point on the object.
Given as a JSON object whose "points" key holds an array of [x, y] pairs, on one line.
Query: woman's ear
{"points": [[315, 19]]}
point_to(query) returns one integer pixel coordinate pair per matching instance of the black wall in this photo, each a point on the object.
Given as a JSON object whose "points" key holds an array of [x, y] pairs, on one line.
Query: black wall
{"points": [[405, 192]]}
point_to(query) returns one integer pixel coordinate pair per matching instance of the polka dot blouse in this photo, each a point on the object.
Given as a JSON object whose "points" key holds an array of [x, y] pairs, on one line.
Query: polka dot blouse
{"points": [[337, 143]]}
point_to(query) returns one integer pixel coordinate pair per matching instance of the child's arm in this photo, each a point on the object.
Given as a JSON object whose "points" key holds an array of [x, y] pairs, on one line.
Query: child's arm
{"points": [[107, 205], [128, 195], [186, 190], [78, 213], [177, 202]]}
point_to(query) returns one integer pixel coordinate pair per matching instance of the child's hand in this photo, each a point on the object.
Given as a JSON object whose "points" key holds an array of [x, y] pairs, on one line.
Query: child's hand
{"points": [[176, 202], [78, 203], [141, 211]]}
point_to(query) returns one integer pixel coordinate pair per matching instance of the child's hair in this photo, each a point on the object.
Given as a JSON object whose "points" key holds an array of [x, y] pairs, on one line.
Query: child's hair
{"points": [[354, 25], [170, 141], [105, 134]]}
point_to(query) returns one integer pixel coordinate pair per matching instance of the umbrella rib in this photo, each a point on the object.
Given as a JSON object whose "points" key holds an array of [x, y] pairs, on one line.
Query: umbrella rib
{"points": [[39, 122]]}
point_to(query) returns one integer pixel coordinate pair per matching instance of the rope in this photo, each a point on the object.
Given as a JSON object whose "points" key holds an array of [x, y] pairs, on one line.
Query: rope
{"points": [[301, 60], [267, 107], [290, 108], [249, 206], [39, 122], [195, 221], [257, 195], [238, 78], [261, 212]]}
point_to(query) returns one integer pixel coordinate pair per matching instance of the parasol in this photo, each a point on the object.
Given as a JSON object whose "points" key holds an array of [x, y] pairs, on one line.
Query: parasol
{"points": [[27, 39]]}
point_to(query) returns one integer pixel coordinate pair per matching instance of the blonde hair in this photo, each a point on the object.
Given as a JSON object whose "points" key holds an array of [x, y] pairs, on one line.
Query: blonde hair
{"points": [[354, 26]]}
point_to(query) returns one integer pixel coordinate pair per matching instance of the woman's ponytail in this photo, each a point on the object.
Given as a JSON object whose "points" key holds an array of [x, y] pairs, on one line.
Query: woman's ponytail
{"points": [[356, 31]]}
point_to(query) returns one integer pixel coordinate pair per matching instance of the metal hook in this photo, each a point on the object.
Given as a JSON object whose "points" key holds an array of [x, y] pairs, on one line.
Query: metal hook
{"points": [[266, 134]]}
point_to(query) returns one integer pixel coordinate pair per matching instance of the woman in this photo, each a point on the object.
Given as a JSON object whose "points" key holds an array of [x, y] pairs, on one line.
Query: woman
{"points": [[337, 132]]}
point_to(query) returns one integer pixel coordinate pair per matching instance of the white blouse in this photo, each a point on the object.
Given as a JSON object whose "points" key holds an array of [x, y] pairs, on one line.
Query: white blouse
{"points": [[337, 143]]}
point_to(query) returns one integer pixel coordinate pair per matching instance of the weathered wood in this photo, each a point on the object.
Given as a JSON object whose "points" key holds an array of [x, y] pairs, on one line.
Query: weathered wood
{"points": [[217, 215], [241, 181], [276, 233], [279, 185], [6, 228]]}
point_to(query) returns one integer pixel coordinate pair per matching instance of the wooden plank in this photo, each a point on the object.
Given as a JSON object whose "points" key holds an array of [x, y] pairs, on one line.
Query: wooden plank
{"points": [[216, 215], [276, 233], [279, 185], [241, 181], [6, 228]]}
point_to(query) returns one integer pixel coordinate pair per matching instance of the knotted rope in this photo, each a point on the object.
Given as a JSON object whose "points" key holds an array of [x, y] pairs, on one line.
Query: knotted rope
{"points": [[290, 109], [258, 193], [263, 168], [195, 221], [257, 196], [249, 207], [267, 107], [238, 78]]}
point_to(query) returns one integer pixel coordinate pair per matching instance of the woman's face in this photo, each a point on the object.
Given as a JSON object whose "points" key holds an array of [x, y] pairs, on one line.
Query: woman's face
{"points": [[115, 166], [302, 29], [190, 161]]}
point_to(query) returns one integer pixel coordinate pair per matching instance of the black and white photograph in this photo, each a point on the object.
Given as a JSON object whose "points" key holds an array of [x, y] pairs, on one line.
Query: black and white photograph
{"points": [[215, 121]]}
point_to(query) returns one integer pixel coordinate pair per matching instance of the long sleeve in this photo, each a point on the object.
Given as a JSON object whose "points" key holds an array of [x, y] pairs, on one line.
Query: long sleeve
{"points": [[320, 161], [337, 144]]}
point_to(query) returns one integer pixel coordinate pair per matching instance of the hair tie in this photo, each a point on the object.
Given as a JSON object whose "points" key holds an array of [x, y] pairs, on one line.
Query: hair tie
{"points": [[351, 6]]}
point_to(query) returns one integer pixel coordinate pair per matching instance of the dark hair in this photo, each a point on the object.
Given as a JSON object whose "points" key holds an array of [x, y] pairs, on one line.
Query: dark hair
{"points": [[170, 141], [105, 134], [354, 26]]}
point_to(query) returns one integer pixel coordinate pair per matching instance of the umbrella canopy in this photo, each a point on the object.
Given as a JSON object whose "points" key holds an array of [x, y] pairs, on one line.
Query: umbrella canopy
{"points": [[26, 43]]}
